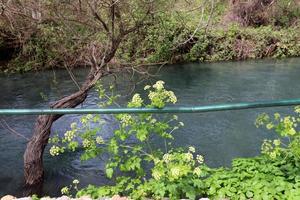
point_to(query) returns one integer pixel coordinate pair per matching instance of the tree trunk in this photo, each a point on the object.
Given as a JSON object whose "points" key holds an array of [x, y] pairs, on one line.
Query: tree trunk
{"points": [[33, 156]]}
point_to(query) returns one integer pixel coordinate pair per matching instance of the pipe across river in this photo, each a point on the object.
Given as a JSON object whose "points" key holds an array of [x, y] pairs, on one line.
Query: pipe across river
{"points": [[187, 109]]}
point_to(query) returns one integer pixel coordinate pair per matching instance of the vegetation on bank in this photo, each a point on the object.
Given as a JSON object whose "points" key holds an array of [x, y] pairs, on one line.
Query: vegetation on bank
{"points": [[190, 31], [142, 170]]}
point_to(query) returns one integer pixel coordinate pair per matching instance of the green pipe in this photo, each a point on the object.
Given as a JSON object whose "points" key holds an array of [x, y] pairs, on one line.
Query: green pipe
{"points": [[188, 109]]}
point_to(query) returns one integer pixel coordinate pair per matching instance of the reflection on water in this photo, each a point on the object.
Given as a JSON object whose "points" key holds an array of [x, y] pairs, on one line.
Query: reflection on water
{"points": [[220, 136]]}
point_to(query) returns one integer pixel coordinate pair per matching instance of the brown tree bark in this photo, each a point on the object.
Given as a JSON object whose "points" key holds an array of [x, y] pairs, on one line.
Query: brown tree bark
{"points": [[33, 156]]}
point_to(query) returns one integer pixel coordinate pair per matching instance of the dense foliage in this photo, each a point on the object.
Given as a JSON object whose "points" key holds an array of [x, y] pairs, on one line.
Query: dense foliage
{"points": [[180, 32], [233, 43], [141, 170]]}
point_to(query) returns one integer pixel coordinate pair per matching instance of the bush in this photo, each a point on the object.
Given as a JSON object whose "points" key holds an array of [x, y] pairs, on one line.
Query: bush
{"points": [[245, 43]]}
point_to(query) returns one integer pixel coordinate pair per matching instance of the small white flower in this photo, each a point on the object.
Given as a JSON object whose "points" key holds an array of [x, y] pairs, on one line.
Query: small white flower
{"points": [[55, 150], [99, 140], [86, 143], [197, 171], [75, 181], [167, 158], [147, 87], [126, 119], [159, 85], [69, 135], [73, 125], [200, 159], [192, 149], [137, 100], [172, 97], [65, 190], [189, 156]]}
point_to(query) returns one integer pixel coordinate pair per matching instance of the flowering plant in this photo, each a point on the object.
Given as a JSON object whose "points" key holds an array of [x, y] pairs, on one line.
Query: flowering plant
{"points": [[288, 145], [170, 172]]}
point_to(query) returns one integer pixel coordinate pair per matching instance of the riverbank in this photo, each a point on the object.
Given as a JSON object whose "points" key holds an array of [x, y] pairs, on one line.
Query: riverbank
{"points": [[231, 44], [220, 31]]}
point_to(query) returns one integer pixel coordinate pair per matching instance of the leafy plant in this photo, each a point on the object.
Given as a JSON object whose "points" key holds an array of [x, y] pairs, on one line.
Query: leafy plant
{"points": [[273, 175], [141, 169], [287, 147], [254, 178]]}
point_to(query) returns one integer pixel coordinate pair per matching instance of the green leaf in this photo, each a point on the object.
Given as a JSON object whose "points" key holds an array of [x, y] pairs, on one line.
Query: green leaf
{"points": [[109, 172]]}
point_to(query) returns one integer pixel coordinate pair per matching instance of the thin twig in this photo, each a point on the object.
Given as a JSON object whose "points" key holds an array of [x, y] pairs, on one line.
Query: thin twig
{"points": [[4, 124]]}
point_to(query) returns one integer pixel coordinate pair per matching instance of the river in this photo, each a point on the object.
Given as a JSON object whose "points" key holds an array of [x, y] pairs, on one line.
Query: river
{"points": [[219, 136]]}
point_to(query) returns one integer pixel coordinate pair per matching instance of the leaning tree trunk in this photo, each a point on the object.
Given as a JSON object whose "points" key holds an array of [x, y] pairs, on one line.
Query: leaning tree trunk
{"points": [[33, 156]]}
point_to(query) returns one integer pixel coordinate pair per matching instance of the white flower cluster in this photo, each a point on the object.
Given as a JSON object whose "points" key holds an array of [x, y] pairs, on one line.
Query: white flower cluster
{"points": [[55, 150], [200, 159], [137, 101], [69, 135], [167, 158], [192, 149], [75, 181], [86, 119], [126, 119], [152, 95], [172, 97], [159, 85], [99, 140], [189, 157], [65, 190], [86, 143], [147, 87], [197, 171]]}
